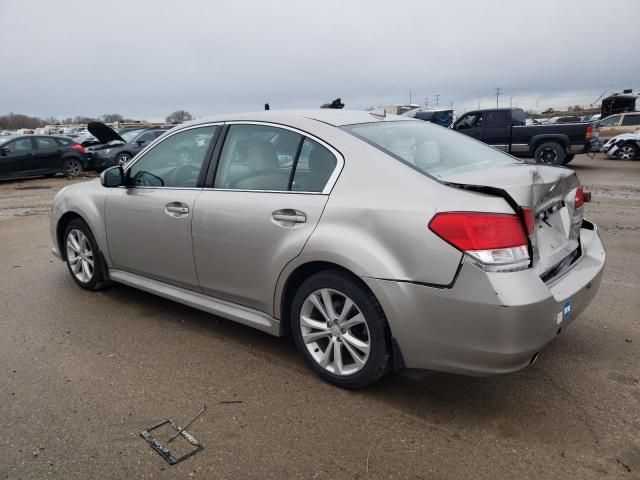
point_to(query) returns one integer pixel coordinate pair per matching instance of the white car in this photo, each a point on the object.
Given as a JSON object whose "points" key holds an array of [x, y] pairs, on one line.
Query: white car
{"points": [[625, 146]]}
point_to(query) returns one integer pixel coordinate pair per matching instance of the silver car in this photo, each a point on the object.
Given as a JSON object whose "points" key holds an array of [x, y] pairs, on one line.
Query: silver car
{"points": [[376, 242]]}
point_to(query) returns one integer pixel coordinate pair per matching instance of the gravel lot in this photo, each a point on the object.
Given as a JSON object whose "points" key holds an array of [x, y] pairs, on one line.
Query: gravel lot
{"points": [[81, 373]]}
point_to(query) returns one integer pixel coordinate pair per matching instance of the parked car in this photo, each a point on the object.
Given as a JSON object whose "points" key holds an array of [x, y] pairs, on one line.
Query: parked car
{"points": [[442, 117], [118, 148], [617, 124], [387, 242], [505, 129], [625, 146], [35, 155]]}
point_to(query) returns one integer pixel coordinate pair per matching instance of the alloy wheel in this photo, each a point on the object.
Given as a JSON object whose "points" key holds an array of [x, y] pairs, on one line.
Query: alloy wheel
{"points": [[335, 332], [80, 255], [548, 155], [72, 168], [626, 152]]}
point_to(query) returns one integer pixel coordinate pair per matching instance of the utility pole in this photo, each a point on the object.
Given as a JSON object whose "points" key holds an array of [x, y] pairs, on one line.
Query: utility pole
{"points": [[410, 98], [451, 104], [426, 102], [498, 97], [437, 99], [511, 102]]}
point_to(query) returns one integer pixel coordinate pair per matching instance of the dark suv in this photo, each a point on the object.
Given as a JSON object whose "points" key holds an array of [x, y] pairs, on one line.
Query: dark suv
{"points": [[118, 148], [34, 155]]}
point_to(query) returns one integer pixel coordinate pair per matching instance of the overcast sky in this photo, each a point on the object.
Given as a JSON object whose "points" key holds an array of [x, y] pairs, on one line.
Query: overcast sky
{"points": [[145, 59]]}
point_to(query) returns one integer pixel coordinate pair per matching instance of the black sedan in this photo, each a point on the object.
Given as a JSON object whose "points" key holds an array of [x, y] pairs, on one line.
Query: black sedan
{"points": [[118, 148], [35, 155]]}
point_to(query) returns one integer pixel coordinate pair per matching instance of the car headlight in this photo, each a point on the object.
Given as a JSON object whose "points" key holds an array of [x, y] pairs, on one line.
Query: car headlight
{"points": [[103, 152]]}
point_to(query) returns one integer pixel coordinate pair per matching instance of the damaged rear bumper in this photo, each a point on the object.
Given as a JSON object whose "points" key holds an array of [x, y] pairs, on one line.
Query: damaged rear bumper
{"points": [[488, 323]]}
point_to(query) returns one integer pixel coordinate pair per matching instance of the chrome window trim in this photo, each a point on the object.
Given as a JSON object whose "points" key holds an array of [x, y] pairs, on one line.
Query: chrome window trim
{"points": [[330, 182]]}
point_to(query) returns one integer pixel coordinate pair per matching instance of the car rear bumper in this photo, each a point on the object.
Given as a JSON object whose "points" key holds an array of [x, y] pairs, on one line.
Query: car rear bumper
{"points": [[488, 323]]}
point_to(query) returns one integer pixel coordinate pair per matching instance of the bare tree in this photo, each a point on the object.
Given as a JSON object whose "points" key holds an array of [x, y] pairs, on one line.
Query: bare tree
{"points": [[112, 117], [179, 116]]}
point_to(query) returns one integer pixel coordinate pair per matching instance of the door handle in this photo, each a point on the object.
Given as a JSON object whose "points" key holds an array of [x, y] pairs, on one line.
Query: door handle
{"points": [[176, 209], [289, 215]]}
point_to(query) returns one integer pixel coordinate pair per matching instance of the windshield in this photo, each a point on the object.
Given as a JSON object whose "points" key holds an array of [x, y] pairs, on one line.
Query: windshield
{"points": [[130, 135], [4, 140], [431, 149]]}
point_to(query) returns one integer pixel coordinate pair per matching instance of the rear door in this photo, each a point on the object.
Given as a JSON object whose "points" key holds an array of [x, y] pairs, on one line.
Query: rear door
{"points": [[497, 129], [268, 193], [46, 156], [630, 123]]}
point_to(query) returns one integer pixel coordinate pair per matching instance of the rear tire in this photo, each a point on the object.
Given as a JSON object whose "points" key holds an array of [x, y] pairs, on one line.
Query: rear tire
{"points": [[628, 151], [349, 348], [83, 257], [72, 167], [550, 153]]}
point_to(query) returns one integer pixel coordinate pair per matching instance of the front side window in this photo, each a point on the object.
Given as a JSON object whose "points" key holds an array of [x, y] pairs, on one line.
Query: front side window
{"points": [[175, 162], [630, 120], [610, 121], [20, 146], [46, 143], [470, 120], [433, 150], [257, 157], [146, 137]]}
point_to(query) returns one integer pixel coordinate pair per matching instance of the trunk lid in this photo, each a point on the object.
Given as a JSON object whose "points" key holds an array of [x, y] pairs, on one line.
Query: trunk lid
{"points": [[550, 193]]}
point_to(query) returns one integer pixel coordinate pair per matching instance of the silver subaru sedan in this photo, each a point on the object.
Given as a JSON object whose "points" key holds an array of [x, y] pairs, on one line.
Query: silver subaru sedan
{"points": [[377, 242]]}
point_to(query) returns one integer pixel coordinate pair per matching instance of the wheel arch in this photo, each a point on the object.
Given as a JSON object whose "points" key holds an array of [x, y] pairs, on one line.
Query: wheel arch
{"points": [[61, 226], [538, 140]]}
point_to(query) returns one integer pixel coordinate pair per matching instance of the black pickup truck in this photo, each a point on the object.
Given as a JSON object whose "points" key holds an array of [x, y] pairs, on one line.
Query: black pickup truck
{"points": [[506, 129]]}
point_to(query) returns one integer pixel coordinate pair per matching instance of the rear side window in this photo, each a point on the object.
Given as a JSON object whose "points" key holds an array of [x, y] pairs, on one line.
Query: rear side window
{"points": [[257, 157], [628, 120], [266, 158], [44, 143], [313, 168], [64, 142], [496, 118], [435, 151]]}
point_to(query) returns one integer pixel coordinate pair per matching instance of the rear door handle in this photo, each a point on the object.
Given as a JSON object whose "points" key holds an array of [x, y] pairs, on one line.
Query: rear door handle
{"points": [[288, 215], [176, 209]]}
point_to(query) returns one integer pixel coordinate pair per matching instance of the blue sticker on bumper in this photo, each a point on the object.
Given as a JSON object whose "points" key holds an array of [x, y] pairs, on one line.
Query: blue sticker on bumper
{"points": [[566, 309]]}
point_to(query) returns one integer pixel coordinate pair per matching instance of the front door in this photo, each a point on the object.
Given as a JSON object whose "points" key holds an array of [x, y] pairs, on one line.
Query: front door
{"points": [[269, 192], [149, 222], [15, 156]]}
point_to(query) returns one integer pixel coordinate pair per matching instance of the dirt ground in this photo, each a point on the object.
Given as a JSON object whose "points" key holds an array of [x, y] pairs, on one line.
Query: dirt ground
{"points": [[81, 373]]}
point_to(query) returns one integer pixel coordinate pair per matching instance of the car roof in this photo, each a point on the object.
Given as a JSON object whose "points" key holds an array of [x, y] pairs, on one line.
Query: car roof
{"points": [[335, 117]]}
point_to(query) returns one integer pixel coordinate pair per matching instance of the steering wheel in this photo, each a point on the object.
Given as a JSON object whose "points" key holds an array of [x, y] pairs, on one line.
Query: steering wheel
{"points": [[184, 176]]}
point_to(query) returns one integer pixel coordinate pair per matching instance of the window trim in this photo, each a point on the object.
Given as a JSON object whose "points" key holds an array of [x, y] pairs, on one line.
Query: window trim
{"points": [[333, 178], [206, 162]]}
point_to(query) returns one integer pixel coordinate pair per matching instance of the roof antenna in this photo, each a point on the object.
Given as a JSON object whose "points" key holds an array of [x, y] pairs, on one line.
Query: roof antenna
{"points": [[266, 106]]}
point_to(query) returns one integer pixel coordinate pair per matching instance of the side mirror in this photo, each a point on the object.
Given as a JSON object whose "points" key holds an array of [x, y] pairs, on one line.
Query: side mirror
{"points": [[112, 177], [4, 151], [140, 142]]}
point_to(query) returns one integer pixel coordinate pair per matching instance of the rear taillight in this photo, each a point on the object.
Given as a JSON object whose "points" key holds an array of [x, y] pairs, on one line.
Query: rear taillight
{"points": [[589, 133], [579, 201], [78, 148], [529, 220], [493, 241]]}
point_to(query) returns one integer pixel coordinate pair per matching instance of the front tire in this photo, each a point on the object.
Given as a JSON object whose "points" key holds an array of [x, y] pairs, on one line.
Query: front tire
{"points": [[627, 151], [568, 158], [550, 153], [72, 167], [83, 257], [340, 330]]}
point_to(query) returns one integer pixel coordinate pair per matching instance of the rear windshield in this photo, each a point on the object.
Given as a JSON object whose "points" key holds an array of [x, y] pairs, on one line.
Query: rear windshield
{"points": [[436, 151]]}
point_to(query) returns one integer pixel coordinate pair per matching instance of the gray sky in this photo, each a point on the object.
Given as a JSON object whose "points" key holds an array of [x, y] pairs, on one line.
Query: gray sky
{"points": [[145, 59]]}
